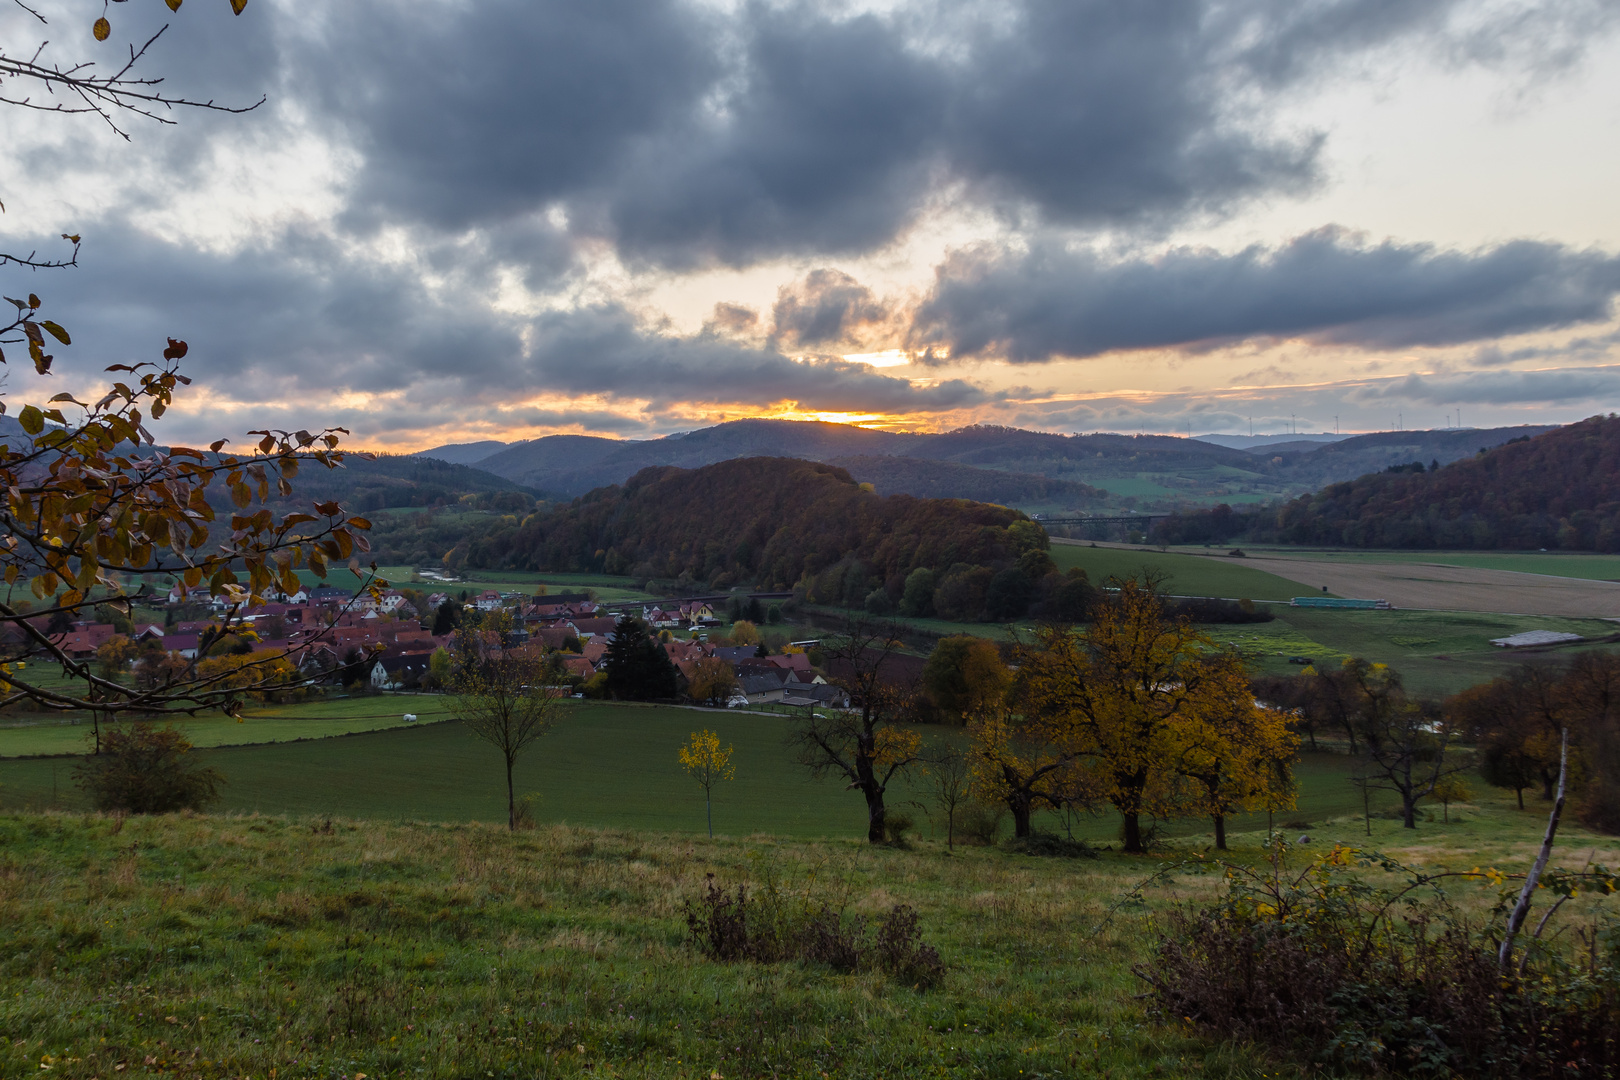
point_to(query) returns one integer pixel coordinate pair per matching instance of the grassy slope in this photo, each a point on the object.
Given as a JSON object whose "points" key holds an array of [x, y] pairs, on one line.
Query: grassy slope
{"points": [[237, 946]]}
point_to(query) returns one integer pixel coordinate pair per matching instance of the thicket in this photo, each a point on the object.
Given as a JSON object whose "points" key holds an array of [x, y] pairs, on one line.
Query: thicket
{"points": [[1331, 965]]}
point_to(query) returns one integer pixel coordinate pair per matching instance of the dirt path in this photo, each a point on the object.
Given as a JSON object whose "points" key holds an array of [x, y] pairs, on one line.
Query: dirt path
{"points": [[1450, 588]]}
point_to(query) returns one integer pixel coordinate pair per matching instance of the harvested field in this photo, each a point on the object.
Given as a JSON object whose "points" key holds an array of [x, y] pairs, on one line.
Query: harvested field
{"points": [[1450, 588]]}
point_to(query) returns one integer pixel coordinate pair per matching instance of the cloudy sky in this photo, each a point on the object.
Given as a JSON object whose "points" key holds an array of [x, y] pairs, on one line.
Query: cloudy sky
{"points": [[466, 219]]}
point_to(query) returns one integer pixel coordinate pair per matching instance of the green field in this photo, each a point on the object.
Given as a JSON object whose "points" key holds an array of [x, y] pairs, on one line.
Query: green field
{"points": [[1592, 567], [437, 772], [1186, 575], [29, 735]]}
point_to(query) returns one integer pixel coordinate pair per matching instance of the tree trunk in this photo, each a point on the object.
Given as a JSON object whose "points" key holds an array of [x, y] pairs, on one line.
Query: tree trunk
{"points": [[1220, 832], [1408, 811], [511, 800], [708, 806], [1133, 834], [1520, 793], [875, 815], [1019, 805]]}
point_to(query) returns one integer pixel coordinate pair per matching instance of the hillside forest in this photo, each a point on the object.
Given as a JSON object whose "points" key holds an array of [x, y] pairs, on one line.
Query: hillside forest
{"points": [[1559, 489]]}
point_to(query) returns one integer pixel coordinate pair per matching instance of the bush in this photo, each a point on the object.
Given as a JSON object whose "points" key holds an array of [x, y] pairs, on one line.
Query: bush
{"points": [[979, 824], [1358, 977], [1048, 845], [143, 770], [896, 823], [769, 928]]}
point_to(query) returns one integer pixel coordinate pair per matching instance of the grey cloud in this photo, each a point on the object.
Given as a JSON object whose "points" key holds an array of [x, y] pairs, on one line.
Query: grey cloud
{"points": [[1553, 387], [1052, 301], [826, 308]]}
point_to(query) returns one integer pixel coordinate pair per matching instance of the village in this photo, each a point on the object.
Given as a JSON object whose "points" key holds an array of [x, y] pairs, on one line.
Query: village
{"points": [[332, 637]]}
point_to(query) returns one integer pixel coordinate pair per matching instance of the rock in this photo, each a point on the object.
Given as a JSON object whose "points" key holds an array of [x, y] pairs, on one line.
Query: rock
{"points": [[1304, 838]]}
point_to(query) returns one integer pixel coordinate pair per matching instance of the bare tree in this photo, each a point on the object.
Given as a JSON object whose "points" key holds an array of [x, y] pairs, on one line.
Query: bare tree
{"points": [[1408, 750], [863, 743], [502, 697], [949, 780]]}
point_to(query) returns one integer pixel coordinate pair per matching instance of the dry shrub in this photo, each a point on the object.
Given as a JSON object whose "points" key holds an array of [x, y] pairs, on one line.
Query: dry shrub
{"points": [[1325, 966], [143, 769], [770, 928]]}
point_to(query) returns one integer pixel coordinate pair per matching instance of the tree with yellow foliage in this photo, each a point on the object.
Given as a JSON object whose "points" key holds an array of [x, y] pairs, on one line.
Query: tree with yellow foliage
{"points": [[863, 743], [1127, 698], [1235, 756], [1023, 763], [708, 764]]}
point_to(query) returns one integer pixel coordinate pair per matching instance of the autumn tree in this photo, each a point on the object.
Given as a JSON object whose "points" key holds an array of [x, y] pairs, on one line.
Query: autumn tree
{"points": [[501, 695], [1023, 762], [864, 744], [114, 657], [92, 509], [708, 763], [712, 681], [1235, 756], [965, 676], [1125, 697]]}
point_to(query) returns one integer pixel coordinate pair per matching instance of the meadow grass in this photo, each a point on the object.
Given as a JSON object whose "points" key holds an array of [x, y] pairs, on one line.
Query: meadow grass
{"points": [[254, 945]]}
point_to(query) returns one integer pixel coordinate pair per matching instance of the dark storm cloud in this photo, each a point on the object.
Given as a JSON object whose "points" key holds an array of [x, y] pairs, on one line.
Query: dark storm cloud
{"points": [[691, 137], [473, 113], [1053, 302], [824, 309], [300, 320]]}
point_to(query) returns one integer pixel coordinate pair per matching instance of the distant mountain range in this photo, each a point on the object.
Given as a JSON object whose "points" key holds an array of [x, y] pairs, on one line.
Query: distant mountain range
{"points": [[1014, 467], [1256, 443]]}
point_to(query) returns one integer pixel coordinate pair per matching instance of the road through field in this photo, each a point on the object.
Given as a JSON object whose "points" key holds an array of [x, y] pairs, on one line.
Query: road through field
{"points": [[1449, 588]]}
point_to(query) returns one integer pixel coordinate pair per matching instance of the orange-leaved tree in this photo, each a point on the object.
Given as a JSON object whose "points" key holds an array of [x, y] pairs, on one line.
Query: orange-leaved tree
{"points": [[93, 511]]}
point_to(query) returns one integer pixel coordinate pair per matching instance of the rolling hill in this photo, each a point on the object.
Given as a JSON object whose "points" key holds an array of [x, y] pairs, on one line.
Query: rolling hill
{"points": [[1141, 471]]}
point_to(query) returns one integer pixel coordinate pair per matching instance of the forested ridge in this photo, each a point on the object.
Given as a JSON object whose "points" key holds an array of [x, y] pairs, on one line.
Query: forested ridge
{"points": [[767, 521], [1560, 489]]}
